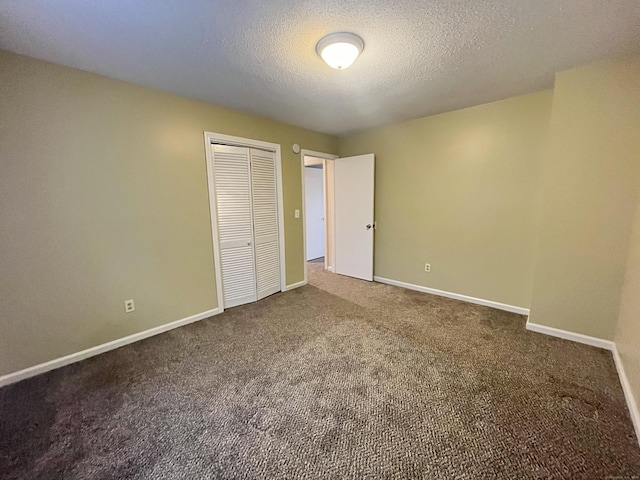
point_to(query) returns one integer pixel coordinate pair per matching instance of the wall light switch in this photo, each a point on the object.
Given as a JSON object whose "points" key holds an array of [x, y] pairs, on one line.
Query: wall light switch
{"points": [[297, 213], [129, 306]]}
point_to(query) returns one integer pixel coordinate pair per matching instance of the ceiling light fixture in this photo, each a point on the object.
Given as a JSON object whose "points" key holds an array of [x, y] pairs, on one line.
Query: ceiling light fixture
{"points": [[340, 49]]}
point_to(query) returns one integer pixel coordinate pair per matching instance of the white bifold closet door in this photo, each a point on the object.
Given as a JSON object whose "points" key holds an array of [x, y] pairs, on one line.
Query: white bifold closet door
{"points": [[247, 214], [265, 222], [235, 224]]}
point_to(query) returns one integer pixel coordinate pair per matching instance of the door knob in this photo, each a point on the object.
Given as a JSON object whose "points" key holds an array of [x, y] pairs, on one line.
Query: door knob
{"points": [[368, 226]]}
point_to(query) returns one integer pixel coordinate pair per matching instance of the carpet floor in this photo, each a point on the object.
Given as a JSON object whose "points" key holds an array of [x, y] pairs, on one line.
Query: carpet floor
{"points": [[337, 379]]}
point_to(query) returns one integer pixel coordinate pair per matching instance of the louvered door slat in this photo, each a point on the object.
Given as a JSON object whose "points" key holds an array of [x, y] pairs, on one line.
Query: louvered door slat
{"points": [[232, 180], [265, 222]]}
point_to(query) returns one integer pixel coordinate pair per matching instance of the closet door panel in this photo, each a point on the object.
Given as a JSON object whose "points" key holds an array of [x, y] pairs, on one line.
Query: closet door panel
{"points": [[235, 224], [238, 286], [265, 222]]}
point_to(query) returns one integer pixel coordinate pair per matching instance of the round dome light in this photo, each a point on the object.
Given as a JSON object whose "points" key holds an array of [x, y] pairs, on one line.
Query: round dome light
{"points": [[340, 50]]}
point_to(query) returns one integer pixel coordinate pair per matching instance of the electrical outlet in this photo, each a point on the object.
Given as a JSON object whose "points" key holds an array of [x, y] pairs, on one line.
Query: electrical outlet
{"points": [[129, 306], [297, 213], [427, 267]]}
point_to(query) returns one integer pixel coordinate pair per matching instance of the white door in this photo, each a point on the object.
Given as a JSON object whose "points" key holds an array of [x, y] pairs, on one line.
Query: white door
{"points": [[232, 179], [314, 211], [265, 222], [354, 222]]}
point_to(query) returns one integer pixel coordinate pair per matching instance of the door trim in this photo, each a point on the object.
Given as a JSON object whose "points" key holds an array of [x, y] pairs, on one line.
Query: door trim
{"points": [[230, 140], [325, 156]]}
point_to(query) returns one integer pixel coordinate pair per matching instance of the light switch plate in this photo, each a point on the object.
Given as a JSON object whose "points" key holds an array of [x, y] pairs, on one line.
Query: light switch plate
{"points": [[129, 306]]}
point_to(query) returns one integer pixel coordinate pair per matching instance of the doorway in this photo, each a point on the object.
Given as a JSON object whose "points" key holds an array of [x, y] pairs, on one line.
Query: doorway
{"points": [[317, 208], [338, 208]]}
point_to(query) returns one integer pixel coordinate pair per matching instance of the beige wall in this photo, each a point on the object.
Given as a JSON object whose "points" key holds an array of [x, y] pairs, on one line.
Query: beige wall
{"points": [[103, 197], [460, 191], [590, 187], [627, 336]]}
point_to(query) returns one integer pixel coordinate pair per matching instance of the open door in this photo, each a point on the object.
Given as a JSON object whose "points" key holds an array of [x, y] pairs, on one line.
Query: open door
{"points": [[354, 221]]}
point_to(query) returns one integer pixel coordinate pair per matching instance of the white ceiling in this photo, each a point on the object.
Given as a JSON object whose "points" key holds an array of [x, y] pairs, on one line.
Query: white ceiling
{"points": [[421, 57]]}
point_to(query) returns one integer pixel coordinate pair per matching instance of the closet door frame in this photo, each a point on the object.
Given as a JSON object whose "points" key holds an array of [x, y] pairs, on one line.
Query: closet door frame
{"points": [[211, 138]]}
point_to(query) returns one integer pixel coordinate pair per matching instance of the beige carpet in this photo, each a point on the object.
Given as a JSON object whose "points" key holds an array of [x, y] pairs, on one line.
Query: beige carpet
{"points": [[337, 379]]}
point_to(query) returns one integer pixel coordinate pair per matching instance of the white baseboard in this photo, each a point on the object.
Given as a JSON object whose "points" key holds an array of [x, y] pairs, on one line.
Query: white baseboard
{"points": [[105, 347], [295, 285], [628, 394], [574, 337], [455, 296]]}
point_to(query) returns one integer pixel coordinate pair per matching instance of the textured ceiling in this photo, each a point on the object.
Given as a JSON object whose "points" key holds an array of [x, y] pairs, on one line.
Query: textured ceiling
{"points": [[420, 58]]}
